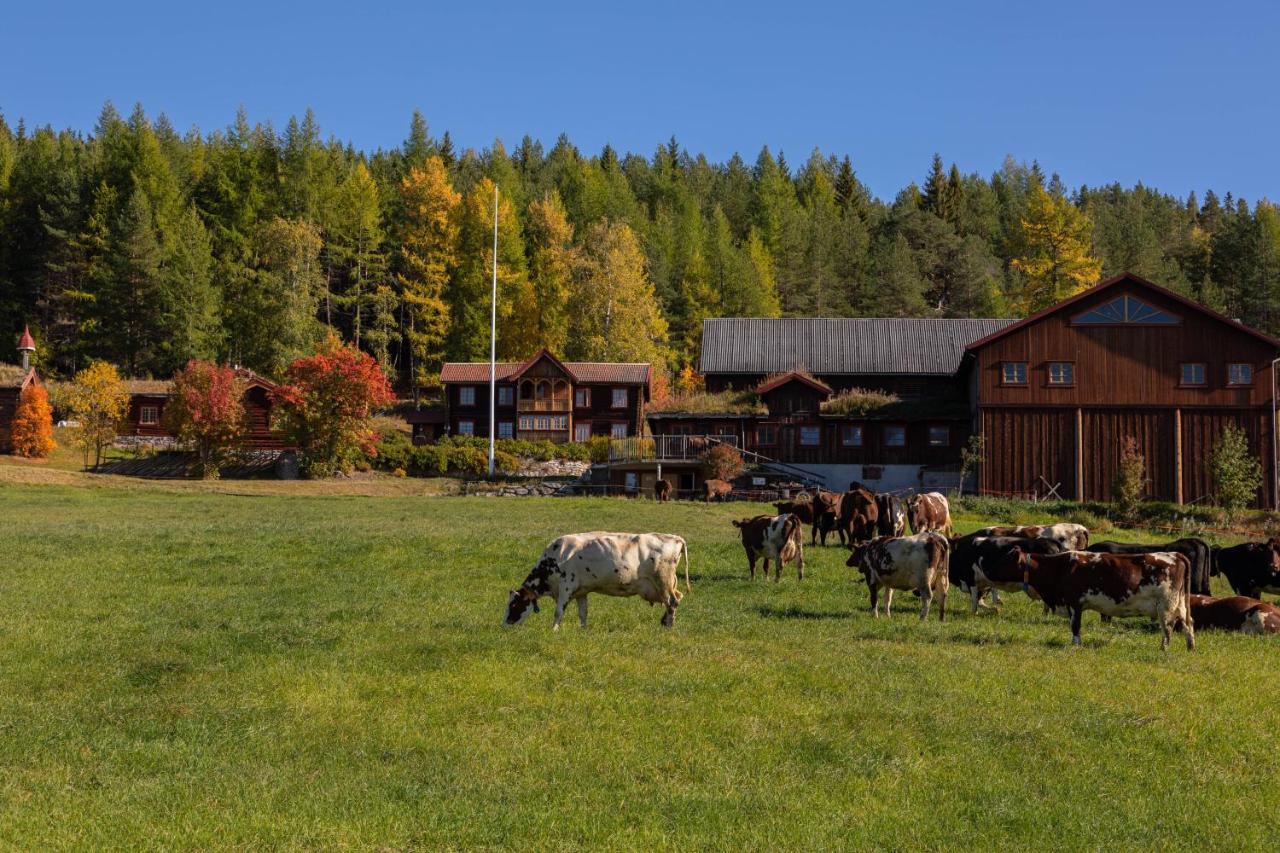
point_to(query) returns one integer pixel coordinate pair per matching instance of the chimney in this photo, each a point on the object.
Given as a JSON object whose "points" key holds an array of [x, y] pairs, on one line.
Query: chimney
{"points": [[26, 346]]}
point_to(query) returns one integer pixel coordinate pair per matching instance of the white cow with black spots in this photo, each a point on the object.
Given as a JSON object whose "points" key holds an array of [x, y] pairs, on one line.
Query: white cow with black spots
{"points": [[619, 564]]}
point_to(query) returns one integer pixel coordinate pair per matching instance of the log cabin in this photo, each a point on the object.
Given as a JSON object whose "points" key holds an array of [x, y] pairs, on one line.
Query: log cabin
{"points": [[148, 397], [14, 379]]}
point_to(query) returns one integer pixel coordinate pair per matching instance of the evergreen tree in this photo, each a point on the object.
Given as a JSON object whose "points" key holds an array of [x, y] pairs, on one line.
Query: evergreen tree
{"points": [[280, 311], [356, 244], [551, 263]]}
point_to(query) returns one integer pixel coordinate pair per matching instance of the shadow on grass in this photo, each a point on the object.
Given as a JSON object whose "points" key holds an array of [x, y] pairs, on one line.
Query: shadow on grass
{"points": [[770, 612]]}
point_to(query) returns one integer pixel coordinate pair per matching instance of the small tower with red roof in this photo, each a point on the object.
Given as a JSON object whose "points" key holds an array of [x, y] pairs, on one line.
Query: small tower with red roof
{"points": [[26, 346]]}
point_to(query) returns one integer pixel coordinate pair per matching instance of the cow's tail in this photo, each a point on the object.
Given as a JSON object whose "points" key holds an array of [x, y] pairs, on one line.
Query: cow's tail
{"points": [[684, 549]]}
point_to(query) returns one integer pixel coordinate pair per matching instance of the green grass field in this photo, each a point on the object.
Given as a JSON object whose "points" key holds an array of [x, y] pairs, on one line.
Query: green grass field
{"points": [[185, 669]]}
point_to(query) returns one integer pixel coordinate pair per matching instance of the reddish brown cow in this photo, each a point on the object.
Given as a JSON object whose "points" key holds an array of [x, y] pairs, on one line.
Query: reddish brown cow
{"points": [[1155, 585], [716, 490], [929, 511], [859, 515], [662, 491], [777, 538], [826, 513], [1235, 613]]}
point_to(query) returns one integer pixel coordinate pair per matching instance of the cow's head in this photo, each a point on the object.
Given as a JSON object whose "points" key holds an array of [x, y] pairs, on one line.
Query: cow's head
{"points": [[856, 553], [519, 604]]}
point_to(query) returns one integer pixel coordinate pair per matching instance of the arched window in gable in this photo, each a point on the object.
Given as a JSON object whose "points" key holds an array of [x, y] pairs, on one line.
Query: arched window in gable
{"points": [[1125, 310]]}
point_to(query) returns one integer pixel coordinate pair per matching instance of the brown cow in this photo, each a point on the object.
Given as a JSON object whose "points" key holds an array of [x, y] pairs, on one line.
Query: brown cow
{"points": [[859, 515], [777, 538], [662, 491], [929, 511], [1155, 585], [1072, 537], [1235, 613], [716, 490], [826, 515]]}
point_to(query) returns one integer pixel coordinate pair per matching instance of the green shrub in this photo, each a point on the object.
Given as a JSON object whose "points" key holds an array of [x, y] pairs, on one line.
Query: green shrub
{"points": [[1126, 488], [1237, 474], [598, 448], [858, 402]]}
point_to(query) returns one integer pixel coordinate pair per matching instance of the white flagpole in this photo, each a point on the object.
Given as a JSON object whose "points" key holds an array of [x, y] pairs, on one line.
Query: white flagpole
{"points": [[493, 334]]}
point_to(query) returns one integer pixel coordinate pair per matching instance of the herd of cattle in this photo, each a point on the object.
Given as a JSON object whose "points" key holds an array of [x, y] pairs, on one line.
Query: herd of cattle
{"points": [[1055, 564]]}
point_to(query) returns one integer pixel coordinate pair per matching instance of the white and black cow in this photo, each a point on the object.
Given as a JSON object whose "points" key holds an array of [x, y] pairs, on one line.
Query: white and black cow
{"points": [[775, 537], [1154, 585], [917, 563], [1252, 568], [986, 563], [1072, 537], [892, 520], [619, 564]]}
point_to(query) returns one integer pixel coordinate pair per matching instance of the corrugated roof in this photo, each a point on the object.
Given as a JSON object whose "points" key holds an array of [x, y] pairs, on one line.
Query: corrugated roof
{"points": [[933, 346], [584, 371]]}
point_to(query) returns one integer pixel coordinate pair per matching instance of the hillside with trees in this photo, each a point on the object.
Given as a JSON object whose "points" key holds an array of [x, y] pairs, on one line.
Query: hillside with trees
{"points": [[146, 247]]}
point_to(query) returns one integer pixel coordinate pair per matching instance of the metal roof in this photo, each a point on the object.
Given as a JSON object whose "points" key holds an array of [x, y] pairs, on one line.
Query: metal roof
{"points": [[933, 346]]}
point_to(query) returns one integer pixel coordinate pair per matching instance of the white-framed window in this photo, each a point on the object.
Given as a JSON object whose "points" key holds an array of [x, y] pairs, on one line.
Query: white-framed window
{"points": [[619, 400], [466, 427], [582, 398], [1239, 374], [1013, 373], [810, 436], [1192, 373], [939, 435], [1062, 373], [466, 395], [632, 481], [149, 415], [506, 429], [851, 435], [618, 430], [582, 432], [506, 395], [895, 435]]}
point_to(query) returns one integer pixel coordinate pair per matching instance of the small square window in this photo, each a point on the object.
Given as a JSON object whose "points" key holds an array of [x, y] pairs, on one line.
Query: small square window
{"points": [[506, 395], [810, 436], [1193, 373], [940, 436], [1014, 373], [581, 432], [851, 435], [506, 429], [1239, 374], [766, 436], [1062, 373], [895, 436], [466, 427], [467, 395], [149, 415], [582, 398], [619, 398], [617, 430]]}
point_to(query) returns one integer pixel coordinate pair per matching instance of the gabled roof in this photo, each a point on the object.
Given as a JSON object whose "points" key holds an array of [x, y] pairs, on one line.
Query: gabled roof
{"points": [[164, 387], [14, 376], [930, 346], [622, 373], [1115, 281], [780, 379]]}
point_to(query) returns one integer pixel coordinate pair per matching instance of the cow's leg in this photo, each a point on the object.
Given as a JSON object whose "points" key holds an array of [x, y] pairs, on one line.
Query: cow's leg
{"points": [[1076, 613], [752, 556], [944, 586], [875, 598], [888, 601], [777, 566], [926, 596], [582, 611], [976, 595], [562, 601], [800, 557], [669, 618], [1188, 625]]}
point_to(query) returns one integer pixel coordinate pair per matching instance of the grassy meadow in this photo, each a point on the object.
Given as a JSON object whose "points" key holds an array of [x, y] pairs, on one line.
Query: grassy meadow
{"points": [[191, 669]]}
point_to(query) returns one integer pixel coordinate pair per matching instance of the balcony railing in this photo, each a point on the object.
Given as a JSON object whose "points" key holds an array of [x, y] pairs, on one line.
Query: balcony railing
{"points": [[543, 406], [666, 448]]}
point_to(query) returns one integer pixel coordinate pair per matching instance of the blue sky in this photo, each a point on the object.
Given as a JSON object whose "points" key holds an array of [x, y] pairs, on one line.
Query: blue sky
{"points": [[1178, 96]]}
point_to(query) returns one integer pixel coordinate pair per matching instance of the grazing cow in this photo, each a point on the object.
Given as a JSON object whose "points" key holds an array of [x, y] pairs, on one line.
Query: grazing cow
{"points": [[1155, 585], [916, 563], [929, 511], [716, 490], [1195, 550], [826, 511], [1235, 613], [662, 491], [1072, 537], [892, 520], [778, 538], [982, 563], [619, 564], [1252, 568], [859, 515]]}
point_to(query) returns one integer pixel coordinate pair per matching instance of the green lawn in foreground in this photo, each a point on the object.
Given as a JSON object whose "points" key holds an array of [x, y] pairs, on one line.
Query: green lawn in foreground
{"points": [[187, 670]]}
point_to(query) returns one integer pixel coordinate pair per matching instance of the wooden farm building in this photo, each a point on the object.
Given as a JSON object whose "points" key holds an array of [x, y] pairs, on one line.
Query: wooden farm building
{"points": [[14, 378], [148, 397], [1053, 396], [541, 398]]}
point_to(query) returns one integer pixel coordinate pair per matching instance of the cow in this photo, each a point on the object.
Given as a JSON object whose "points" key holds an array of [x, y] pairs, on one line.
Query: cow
{"points": [[779, 538], [892, 516], [1252, 568], [826, 512], [1072, 537], [1155, 585], [619, 564], [1235, 613], [916, 563], [929, 511], [662, 491], [1195, 550], [982, 563], [716, 490], [859, 515]]}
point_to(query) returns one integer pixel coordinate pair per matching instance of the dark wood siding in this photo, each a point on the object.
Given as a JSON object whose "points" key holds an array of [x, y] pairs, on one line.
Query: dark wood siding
{"points": [[1027, 449]]}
